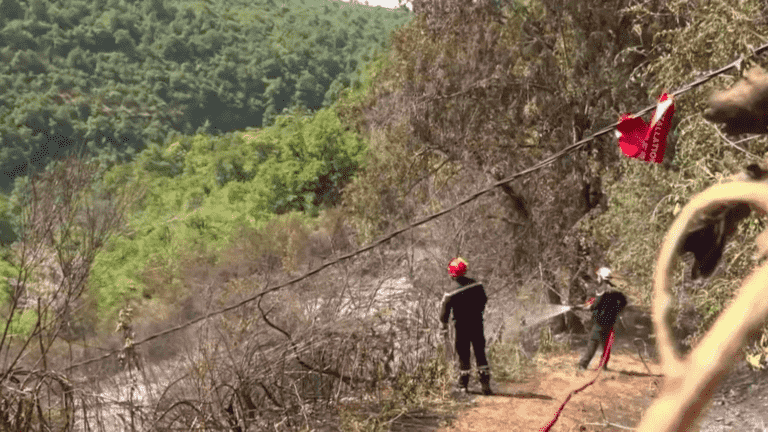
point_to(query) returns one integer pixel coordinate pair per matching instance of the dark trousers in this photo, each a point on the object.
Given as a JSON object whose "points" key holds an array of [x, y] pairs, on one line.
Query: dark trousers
{"points": [[598, 337], [471, 334]]}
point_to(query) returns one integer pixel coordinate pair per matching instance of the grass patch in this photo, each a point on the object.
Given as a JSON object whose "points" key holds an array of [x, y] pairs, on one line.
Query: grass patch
{"points": [[23, 323], [509, 362], [548, 344]]}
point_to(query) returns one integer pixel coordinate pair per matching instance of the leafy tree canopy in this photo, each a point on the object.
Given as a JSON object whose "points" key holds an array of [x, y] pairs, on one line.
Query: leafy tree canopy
{"points": [[203, 188], [109, 77]]}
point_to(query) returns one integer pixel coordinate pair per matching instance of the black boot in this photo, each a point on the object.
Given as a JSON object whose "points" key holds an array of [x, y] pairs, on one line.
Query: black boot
{"points": [[463, 381], [485, 382]]}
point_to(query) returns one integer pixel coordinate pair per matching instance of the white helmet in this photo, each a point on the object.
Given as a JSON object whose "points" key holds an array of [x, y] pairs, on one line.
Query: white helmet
{"points": [[603, 274]]}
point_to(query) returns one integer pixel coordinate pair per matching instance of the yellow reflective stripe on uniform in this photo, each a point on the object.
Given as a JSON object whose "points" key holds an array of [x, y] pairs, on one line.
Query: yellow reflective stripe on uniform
{"points": [[464, 288]]}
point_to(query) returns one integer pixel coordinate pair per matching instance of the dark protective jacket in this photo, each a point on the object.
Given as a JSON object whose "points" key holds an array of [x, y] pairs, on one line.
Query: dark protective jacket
{"points": [[467, 305], [606, 308]]}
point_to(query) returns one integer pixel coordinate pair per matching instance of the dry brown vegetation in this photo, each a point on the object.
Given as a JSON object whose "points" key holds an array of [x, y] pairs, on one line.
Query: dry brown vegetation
{"points": [[286, 361], [65, 221]]}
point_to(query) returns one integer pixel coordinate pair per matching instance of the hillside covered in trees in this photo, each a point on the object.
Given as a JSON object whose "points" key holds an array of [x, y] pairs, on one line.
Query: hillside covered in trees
{"points": [[106, 78]]}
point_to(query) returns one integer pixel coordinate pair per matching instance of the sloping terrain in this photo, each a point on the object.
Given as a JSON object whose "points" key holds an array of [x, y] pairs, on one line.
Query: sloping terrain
{"points": [[614, 402]]}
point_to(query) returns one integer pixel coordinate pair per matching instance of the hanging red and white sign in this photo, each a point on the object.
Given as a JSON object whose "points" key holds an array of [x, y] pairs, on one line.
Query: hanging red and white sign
{"points": [[641, 141]]}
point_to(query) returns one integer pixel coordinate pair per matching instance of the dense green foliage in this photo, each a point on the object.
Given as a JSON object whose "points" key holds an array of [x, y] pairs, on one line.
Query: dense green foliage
{"points": [[203, 189], [7, 271], [106, 78]]}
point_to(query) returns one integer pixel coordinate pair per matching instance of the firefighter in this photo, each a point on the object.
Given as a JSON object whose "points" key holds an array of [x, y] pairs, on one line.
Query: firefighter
{"points": [[605, 307], [467, 302]]}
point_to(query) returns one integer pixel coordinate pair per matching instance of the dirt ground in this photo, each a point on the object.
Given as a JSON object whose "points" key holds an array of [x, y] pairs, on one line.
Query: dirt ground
{"points": [[615, 402], [621, 394]]}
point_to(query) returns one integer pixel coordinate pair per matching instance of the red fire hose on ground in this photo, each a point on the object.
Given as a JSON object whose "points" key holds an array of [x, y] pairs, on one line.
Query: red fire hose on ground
{"points": [[603, 361]]}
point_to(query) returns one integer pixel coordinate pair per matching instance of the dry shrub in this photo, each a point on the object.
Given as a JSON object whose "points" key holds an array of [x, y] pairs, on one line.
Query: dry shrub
{"points": [[298, 351], [66, 217], [289, 357]]}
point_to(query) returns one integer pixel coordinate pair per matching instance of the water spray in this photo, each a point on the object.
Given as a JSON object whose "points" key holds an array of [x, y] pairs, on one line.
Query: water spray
{"points": [[546, 312]]}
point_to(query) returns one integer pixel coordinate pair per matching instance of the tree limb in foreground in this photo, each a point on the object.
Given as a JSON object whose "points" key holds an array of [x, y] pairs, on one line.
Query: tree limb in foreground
{"points": [[690, 381]]}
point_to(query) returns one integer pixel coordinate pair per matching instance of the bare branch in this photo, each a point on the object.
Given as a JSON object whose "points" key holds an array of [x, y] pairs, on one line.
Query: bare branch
{"points": [[691, 381]]}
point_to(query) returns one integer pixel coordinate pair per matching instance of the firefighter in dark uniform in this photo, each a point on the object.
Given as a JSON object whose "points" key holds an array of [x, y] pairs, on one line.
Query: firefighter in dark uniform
{"points": [[468, 304], [605, 307]]}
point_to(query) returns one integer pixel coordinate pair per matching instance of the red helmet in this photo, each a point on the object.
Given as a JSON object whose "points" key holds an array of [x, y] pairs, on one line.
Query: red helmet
{"points": [[457, 267]]}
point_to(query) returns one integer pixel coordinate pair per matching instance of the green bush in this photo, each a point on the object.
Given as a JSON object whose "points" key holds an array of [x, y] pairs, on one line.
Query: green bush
{"points": [[508, 361], [23, 323], [7, 270], [203, 190], [112, 281], [8, 233]]}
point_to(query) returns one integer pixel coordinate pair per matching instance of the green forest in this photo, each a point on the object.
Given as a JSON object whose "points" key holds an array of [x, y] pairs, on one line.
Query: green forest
{"points": [[220, 110], [163, 160], [107, 78]]}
